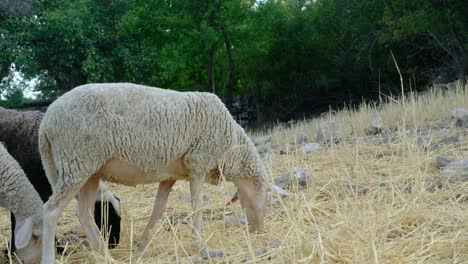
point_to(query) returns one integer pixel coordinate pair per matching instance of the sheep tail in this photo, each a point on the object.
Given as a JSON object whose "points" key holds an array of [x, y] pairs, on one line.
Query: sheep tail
{"points": [[48, 159]]}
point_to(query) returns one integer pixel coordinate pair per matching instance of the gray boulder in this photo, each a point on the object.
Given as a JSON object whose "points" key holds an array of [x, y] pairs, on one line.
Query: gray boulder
{"points": [[328, 132], [452, 85], [450, 140], [261, 140], [207, 253], [461, 116], [264, 148], [301, 138], [308, 148], [443, 161], [273, 244], [297, 176], [187, 197], [460, 166], [376, 126], [237, 219]]}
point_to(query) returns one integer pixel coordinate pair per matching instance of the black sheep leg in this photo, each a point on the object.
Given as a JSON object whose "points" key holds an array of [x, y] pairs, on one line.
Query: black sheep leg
{"points": [[113, 221]]}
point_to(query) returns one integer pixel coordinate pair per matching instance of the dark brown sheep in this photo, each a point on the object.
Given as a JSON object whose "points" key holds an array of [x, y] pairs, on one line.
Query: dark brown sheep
{"points": [[19, 132]]}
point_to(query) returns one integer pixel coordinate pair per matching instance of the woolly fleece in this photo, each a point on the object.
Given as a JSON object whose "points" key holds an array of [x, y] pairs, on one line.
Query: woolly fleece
{"points": [[150, 129], [16, 192]]}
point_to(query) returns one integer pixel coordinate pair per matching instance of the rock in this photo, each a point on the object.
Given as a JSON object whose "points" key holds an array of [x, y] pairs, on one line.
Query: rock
{"points": [[207, 253], [276, 202], [191, 260], [327, 132], [356, 188], [301, 138], [291, 123], [423, 131], [187, 197], [360, 140], [264, 148], [327, 114], [177, 219], [437, 182], [432, 127], [237, 219], [308, 148], [461, 116], [444, 161], [273, 244], [376, 126], [279, 190], [451, 139], [299, 176], [387, 136], [460, 166], [420, 142], [261, 140], [71, 238], [452, 85]]}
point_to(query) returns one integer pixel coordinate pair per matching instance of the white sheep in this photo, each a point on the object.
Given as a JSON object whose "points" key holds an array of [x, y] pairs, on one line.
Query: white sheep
{"points": [[19, 196], [133, 134]]}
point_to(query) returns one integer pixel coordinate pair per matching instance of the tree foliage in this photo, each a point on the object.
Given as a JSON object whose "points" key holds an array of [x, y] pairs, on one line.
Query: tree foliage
{"points": [[288, 57]]}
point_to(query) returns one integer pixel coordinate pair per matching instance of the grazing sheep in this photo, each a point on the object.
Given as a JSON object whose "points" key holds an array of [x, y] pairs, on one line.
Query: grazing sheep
{"points": [[133, 134], [19, 196], [19, 132]]}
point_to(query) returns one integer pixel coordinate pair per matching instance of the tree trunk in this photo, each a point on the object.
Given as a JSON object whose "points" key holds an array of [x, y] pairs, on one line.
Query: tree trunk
{"points": [[210, 85], [232, 71]]}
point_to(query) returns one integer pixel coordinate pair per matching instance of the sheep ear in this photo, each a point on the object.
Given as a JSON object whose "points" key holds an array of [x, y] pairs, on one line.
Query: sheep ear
{"points": [[23, 232]]}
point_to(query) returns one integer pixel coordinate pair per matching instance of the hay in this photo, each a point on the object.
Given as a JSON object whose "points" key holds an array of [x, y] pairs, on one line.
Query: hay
{"points": [[371, 202]]}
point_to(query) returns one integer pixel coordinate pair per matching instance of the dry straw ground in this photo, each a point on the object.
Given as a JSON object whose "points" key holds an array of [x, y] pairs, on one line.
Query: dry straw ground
{"points": [[371, 202]]}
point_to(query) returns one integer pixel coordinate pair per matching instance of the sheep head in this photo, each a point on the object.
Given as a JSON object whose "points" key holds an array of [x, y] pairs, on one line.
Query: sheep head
{"points": [[28, 239]]}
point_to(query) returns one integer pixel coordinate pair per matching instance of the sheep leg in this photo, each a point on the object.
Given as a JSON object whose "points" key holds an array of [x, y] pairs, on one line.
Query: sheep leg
{"points": [[253, 201], [86, 200], [52, 209], [196, 187], [164, 189]]}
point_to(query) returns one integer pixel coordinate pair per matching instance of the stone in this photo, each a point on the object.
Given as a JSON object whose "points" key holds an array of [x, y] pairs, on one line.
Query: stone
{"points": [[327, 114], [301, 138], [71, 238], [443, 161], [434, 126], [237, 219], [387, 136], [360, 140], [264, 148], [460, 166], [461, 116], [279, 190], [328, 132], [261, 140], [452, 85], [207, 253], [191, 260], [276, 202], [308, 148], [273, 244], [376, 127], [420, 142], [187, 197], [177, 219], [451, 139], [299, 176], [355, 188]]}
